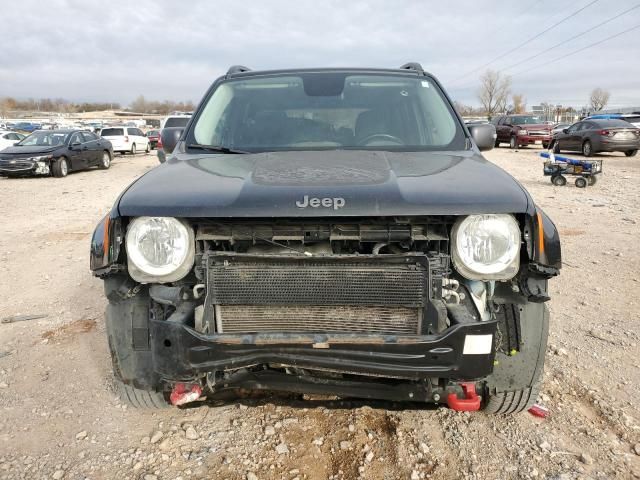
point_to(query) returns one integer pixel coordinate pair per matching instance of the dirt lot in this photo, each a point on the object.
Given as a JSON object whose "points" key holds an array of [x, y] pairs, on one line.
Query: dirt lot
{"points": [[61, 419]]}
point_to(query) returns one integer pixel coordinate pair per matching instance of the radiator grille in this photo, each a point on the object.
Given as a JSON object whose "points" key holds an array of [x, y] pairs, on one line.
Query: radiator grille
{"points": [[317, 319], [301, 294], [15, 165], [317, 284]]}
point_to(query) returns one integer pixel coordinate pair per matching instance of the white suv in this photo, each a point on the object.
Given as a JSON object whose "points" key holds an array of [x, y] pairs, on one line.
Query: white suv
{"points": [[175, 121], [126, 139]]}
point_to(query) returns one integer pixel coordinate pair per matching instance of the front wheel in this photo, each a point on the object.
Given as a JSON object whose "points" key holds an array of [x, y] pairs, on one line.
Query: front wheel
{"points": [[587, 149], [556, 147], [133, 149], [60, 167], [559, 180], [545, 145], [105, 163], [141, 399], [521, 344], [631, 153], [581, 182], [148, 149], [513, 143], [591, 180]]}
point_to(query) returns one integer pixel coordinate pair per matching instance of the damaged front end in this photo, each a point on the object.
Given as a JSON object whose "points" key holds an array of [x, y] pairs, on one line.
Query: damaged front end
{"points": [[369, 308]]}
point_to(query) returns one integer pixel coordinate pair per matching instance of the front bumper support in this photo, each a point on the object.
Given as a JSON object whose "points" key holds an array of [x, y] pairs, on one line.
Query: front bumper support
{"points": [[180, 353]]}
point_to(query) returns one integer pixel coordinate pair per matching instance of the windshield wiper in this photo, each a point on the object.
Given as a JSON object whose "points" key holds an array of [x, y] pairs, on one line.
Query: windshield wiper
{"points": [[214, 148]]}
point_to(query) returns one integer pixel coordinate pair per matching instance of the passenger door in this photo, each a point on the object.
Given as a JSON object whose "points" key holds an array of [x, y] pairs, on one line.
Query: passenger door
{"points": [[571, 139], [94, 150], [77, 152], [502, 130]]}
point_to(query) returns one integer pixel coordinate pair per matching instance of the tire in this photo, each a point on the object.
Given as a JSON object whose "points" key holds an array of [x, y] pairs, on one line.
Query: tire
{"points": [[148, 149], [559, 180], [105, 163], [60, 167], [497, 144], [581, 182], [631, 153], [521, 340], [556, 147], [133, 149], [592, 180], [545, 145], [126, 319], [587, 149], [513, 142], [141, 399]]}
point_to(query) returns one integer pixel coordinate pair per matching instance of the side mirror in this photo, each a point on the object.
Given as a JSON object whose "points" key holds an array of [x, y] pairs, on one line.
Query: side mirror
{"points": [[565, 130], [170, 137], [484, 135]]}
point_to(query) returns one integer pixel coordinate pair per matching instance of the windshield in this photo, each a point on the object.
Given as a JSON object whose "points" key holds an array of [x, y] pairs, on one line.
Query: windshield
{"points": [[45, 139], [528, 120], [176, 122], [328, 110]]}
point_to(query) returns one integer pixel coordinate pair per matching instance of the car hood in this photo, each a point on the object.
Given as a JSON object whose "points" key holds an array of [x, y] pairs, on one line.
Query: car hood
{"points": [[346, 183], [26, 151]]}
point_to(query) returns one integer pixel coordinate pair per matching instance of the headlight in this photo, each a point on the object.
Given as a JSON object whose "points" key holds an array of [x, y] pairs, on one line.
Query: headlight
{"points": [[522, 132], [159, 249], [486, 247], [40, 158]]}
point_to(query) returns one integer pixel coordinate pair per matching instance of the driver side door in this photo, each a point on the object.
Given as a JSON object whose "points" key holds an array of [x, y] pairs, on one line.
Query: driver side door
{"points": [[77, 152]]}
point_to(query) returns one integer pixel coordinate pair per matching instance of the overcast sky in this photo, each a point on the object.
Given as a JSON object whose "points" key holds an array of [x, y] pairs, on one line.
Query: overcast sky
{"points": [[115, 50]]}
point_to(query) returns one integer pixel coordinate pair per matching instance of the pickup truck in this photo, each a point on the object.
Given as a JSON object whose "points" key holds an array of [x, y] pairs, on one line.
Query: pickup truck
{"points": [[521, 130]]}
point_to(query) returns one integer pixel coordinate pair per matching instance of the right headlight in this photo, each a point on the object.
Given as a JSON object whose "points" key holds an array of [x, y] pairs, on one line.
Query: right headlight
{"points": [[159, 249], [486, 247]]}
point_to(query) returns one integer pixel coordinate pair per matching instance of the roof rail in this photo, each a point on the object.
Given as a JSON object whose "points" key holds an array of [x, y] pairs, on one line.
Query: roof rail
{"points": [[237, 69], [412, 66]]}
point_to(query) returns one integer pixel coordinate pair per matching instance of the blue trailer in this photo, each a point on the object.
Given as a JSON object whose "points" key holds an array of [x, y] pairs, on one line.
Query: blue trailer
{"points": [[557, 167]]}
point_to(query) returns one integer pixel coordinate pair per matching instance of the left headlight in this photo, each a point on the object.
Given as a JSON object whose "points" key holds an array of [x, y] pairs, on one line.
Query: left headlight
{"points": [[159, 249], [486, 247]]}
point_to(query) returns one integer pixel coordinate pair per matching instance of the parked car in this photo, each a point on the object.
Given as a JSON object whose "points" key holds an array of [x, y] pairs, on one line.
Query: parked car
{"points": [[559, 127], [55, 152], [175, 121], [521, 130], [172, 121], [593, 136], [9, 138], [333, 231], [633, 118], [126, 139], [153, 136], [26, 126]]}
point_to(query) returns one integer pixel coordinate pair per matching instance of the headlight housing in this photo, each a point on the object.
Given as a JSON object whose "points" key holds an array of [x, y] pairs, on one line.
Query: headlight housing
{"points": [[522, 132], [486, 247], [159, 249]]}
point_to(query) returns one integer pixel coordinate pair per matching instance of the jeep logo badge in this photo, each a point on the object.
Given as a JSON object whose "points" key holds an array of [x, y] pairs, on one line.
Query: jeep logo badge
{"points": [[326, 202]]}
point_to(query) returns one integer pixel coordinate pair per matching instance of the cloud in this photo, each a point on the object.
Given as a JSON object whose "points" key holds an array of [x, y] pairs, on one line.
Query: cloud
{"points": [[114, 51]]}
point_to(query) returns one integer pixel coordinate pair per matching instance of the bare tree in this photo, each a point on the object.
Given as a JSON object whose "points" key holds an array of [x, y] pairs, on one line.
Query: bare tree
{"points": [[494, 91], [519, 103], [599, 99]]}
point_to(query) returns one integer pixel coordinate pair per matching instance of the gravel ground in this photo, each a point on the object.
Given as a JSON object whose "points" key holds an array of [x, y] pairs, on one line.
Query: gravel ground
{"points": [[61, 419]]}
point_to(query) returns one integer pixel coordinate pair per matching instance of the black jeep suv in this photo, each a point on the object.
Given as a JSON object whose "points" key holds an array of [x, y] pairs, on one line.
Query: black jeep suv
{"points": [[329, 231]]}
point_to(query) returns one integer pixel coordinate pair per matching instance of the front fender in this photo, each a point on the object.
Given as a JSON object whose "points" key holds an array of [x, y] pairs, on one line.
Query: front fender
{"points": [[106, 245], [544, 243]]}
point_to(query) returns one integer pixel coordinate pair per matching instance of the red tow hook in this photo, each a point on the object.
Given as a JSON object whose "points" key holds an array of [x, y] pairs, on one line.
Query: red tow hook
{"points": [[470, 402], [183, 393]]}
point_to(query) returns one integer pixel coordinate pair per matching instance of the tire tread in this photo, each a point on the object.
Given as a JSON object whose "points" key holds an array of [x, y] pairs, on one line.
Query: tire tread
{"points": [[141, 399]]}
